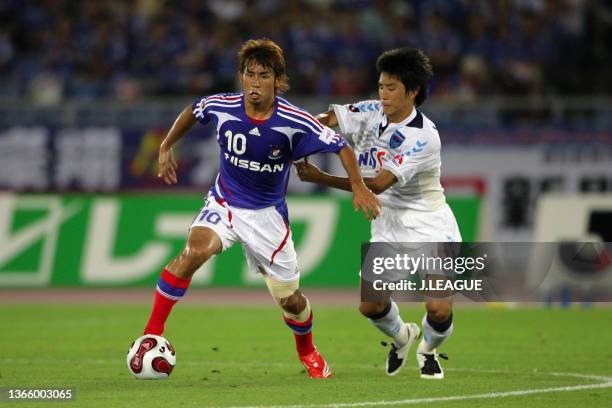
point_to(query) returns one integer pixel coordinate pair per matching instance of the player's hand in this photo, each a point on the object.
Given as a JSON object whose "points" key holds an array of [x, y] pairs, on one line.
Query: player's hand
{"points": [[364, 199], [306, 171], [167, 165]]}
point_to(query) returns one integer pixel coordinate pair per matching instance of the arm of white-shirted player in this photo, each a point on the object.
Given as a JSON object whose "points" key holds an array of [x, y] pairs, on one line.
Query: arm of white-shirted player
{"points": [[383, 180], [378, 184], [311, 173], [362, 196], [328, 118]]}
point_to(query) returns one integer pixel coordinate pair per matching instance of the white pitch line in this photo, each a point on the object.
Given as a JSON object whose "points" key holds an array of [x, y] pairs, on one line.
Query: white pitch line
{"points": [[415, 401], [606, 382]]}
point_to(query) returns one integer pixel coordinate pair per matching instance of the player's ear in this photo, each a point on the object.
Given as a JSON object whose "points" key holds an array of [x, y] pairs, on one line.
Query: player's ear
{"points": [[412, 93]]}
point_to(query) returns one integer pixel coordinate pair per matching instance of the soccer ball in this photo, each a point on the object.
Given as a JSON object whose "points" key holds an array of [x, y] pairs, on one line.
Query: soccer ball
{"points": [[151, 357]]}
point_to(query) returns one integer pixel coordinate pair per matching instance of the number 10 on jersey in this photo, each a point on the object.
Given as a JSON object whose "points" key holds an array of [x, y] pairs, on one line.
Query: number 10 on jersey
{"points": [[236, 143]]}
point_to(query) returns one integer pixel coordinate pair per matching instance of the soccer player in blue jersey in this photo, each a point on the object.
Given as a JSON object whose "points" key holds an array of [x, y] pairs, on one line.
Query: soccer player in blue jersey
{"points": [[399, 153], [259, 134]]}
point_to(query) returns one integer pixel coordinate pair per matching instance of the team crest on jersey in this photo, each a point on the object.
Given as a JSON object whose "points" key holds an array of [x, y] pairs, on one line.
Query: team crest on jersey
{"points": [[396, 140], [275, 152], [353, 108]]}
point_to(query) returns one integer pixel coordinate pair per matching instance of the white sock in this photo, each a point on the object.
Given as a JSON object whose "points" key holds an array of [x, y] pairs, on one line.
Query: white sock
{"points": [[392, 325], [432, 338]]}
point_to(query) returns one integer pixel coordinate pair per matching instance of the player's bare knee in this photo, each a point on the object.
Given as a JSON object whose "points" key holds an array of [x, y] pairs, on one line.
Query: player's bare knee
{"points": [[439, 311], [293, 304], [200, 255], [369, 309]]}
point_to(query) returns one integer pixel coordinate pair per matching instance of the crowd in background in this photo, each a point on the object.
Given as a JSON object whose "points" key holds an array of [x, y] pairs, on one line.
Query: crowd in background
{"points": [[53, 50]]}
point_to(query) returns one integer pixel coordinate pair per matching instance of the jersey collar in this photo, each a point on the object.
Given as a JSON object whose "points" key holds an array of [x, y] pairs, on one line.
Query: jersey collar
{"points": [[414, 120], [257, 122], [410, 119]]}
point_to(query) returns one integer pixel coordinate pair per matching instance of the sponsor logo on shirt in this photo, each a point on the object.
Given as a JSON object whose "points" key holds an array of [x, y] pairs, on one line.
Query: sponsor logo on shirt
{"points": [[373, 158], [253, 165]]}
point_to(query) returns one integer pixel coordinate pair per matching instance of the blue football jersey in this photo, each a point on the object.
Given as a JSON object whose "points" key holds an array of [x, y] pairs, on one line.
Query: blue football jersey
{"points": [[256, 155]]}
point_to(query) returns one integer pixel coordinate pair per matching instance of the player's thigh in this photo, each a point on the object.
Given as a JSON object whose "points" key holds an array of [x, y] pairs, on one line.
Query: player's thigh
{"points": [[281, 265], [270, 246], [204, 239], [214, 217]]}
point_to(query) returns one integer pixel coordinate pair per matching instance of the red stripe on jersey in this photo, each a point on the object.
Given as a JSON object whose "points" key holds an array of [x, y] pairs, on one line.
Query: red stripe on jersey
{"points": [[303, 114], [224, 98], [218, 99]]}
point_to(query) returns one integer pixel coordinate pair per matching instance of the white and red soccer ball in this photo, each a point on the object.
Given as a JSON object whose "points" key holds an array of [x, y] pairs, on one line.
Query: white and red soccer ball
{"points": [[151, 357]]}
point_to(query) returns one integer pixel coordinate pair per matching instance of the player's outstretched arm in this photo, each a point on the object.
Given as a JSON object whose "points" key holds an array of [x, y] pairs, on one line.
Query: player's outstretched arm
{"points": [[167, 165], [310, 173]]}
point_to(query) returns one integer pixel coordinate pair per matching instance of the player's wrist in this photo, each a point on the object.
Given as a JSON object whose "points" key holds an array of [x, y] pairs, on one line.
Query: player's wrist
{"points": [[357, 183], [165, 146]]}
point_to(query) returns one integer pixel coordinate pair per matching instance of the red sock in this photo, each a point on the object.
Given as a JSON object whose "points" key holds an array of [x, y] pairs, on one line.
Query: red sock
{"points": [[169, 290], [304, 344], [302, 331]]}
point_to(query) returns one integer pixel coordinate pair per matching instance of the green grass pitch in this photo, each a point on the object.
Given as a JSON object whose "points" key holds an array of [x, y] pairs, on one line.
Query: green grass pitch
{"points": [[245, 356]]}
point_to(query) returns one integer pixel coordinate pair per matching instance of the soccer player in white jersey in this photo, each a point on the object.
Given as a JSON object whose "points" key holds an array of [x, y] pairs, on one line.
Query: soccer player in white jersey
{"points": [[398, 151], [259, 135]]}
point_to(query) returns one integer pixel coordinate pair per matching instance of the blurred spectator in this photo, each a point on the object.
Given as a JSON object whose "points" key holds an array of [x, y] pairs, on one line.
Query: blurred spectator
{"points": [[52, 50]]}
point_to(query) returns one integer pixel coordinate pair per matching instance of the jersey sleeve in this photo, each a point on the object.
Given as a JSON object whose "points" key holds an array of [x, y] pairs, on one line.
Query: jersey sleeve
{"points": [[416, 157], [319, 140], [200, 111], [353, 118]]}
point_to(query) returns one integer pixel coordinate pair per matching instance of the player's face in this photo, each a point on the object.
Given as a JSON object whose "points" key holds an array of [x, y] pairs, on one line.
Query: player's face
{"points": [[258, 84], [396, 102]]}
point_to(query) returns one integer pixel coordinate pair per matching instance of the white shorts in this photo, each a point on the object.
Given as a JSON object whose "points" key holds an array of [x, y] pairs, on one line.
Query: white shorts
{"points": [[263, 233], [401, 225], [416, 231]]}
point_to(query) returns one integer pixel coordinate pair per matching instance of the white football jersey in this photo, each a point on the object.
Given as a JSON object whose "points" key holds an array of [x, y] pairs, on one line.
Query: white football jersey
{"points": [[410, 150]]}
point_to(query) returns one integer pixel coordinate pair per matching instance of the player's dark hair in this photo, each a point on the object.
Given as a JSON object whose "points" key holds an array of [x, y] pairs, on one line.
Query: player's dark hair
{"points": [[411, 66], [268, 54]]}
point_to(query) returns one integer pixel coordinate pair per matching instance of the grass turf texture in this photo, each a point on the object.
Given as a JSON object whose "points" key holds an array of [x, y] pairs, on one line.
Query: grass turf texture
{"points": [[246, 356]]}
